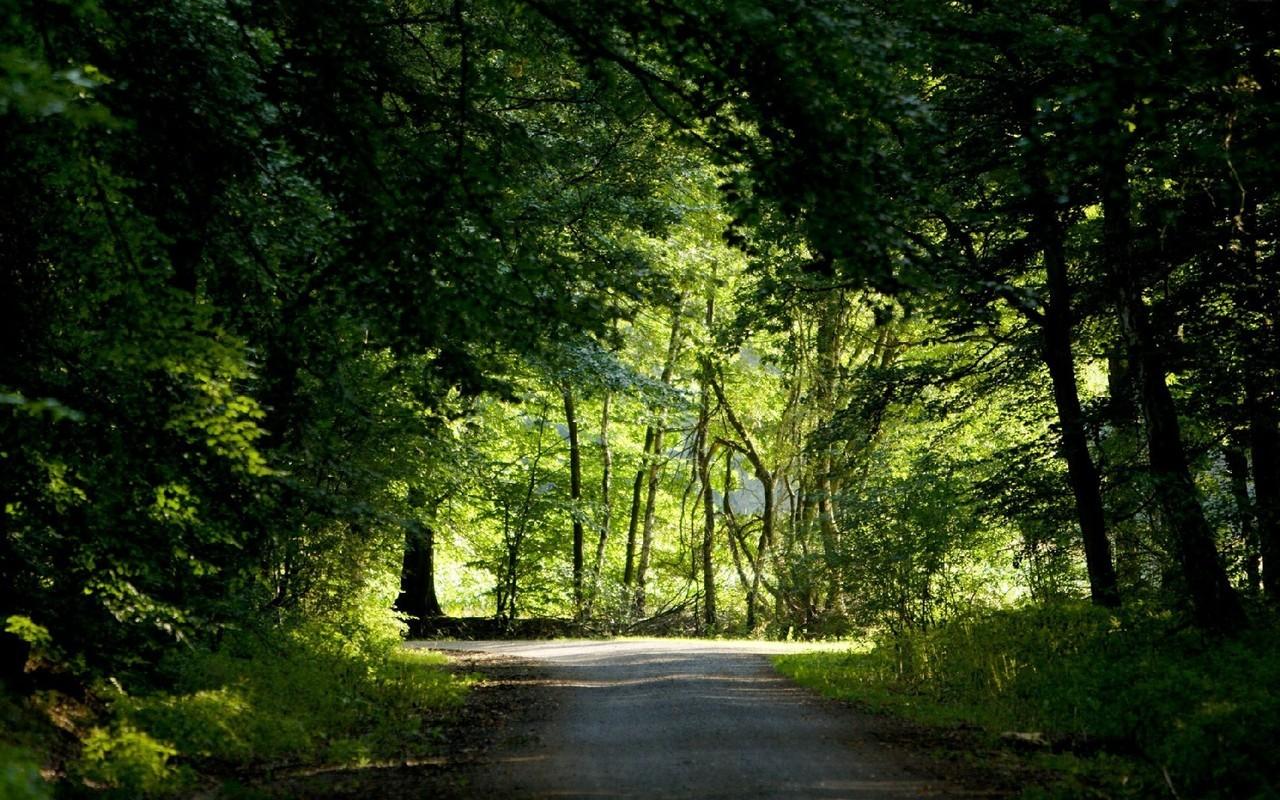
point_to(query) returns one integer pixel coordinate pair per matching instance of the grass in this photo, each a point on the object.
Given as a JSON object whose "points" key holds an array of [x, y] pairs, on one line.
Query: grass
{"points": [[1131, 706], [251, 707]]}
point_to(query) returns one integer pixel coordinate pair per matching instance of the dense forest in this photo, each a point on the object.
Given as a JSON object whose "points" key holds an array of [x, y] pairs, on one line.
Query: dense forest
{"points": [[954, 325]]}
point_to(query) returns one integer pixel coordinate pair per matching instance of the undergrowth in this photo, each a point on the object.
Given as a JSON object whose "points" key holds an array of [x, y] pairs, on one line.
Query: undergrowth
{"points": [[1130, 705], [20, 775], [255, 703]]}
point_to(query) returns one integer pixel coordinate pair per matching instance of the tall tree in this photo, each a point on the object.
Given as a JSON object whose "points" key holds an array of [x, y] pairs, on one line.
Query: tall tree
{"points": [[575, 496], [1215, 601]]}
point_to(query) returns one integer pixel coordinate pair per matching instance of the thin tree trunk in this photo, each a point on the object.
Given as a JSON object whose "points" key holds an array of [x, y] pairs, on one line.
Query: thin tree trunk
{"points": [[1122, 395], [1125, 446], [766, 540], [14, 651], [730, 522], [766, 478], [708, 535], [829, 344], [1261, 395], [575, 496], [1233, 455], [606, 500], [654, 465], [500, 588], [817, 503], [1264, 447], [703, 456], [633, 526], [515, 540], [1214, 601], [650, 514]]}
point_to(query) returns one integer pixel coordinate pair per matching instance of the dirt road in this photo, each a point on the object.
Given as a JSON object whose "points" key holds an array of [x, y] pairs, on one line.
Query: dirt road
{"points": [[687, 719]]}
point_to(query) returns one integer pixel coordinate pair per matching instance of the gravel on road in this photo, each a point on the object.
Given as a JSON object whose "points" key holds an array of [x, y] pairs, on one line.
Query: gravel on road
{"points": [[686, 719]]}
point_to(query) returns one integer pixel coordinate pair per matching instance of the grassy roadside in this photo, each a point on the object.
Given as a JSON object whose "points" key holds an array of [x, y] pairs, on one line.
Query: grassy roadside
{"points": [[209, 722], [1128, 706]]}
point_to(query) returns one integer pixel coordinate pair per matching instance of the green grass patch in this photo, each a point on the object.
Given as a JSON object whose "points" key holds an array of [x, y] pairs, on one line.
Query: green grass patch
{"points": [[1134, 705], [245, 707]]}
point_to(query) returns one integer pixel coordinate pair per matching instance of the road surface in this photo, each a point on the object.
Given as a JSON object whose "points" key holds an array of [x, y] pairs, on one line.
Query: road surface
{"points": [[688, 719]]}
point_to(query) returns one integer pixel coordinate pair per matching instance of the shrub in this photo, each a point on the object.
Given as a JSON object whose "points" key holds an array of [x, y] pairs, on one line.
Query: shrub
{"points": [[128, 761], [1198, 714], [301, 696], [299, 704]]}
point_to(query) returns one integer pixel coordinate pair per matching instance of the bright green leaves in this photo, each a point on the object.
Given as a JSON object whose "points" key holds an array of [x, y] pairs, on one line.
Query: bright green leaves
{"points": [[35, 635], [212, 412], [130, 760]]}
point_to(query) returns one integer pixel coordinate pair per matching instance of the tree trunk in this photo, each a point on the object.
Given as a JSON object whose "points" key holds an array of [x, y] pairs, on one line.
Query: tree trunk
{"points": [[704, 476], [828, 345], [1081, 471], [417, 578], [1264, 447], [1055, 328], [730, 523], [575, 497], [606, 501], [1122, 395], [14, 651], [1262, 394], [708, 533], [1214, 601], [766, 478], [650, 513], [1233, 455], [654, 465], [766, 540], [1125, 451], [509, 584], [628, 571]]}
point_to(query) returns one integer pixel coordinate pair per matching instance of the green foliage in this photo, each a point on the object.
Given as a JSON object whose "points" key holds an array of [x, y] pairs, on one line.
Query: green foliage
{"points": [[129, 762], [311, 700], [839, 285], [1157, 697], [36, 636], [20, 775], [261, 310]]}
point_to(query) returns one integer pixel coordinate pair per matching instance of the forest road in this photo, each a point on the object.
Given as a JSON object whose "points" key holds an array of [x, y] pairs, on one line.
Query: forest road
{"points": [[687, 719]]}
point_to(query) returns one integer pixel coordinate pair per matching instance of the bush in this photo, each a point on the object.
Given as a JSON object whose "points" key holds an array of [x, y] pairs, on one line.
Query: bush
{"points": [[257, 701], [1198, 714], [128, 761]]}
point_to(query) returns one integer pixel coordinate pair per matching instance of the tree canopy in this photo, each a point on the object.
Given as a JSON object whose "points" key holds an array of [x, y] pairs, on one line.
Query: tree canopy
{"points": [[804, 318]]}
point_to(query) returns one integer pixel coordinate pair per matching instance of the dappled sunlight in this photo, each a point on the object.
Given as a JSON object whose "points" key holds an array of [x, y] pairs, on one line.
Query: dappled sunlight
{"points": [[672, 677], [943, 331], [331, 769], [569, 649]]}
